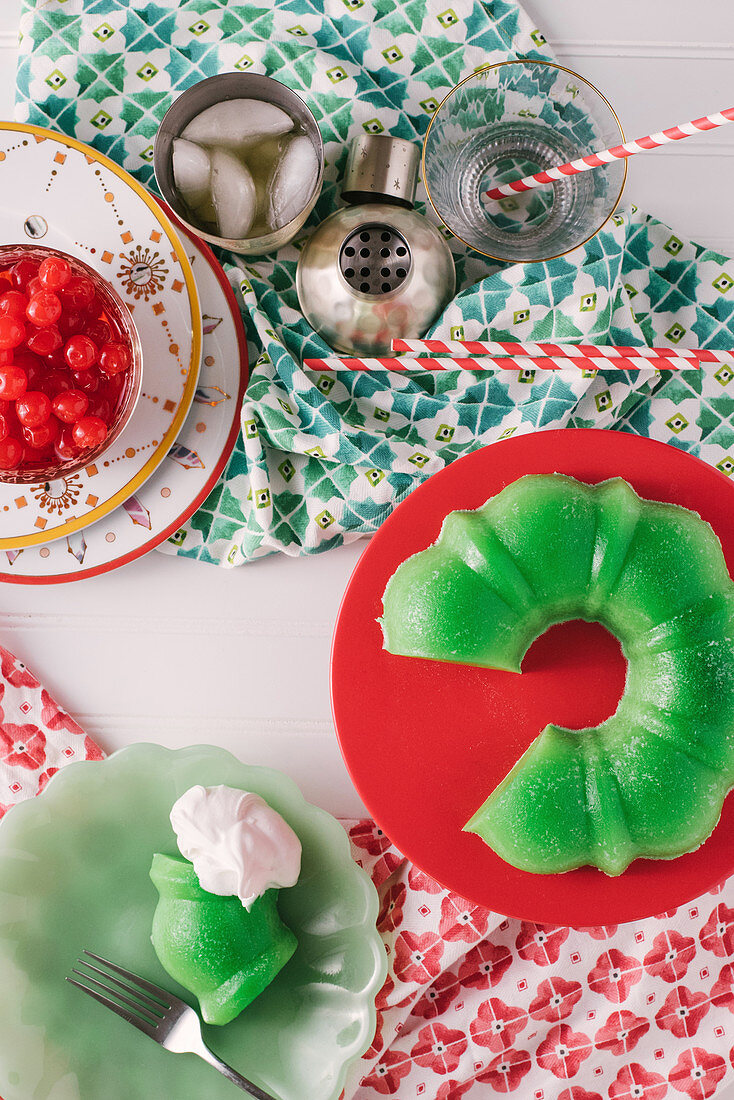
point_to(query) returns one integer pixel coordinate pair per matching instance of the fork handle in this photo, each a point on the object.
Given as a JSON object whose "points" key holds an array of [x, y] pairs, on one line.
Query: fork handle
{"points": [[235, 1077]]}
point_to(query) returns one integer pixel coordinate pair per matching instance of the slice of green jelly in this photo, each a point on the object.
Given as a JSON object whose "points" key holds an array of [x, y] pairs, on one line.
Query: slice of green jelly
{"points": [[535, 818], [547, 524], [674, 561], [212, 945], [481, 629], [671, 801]]}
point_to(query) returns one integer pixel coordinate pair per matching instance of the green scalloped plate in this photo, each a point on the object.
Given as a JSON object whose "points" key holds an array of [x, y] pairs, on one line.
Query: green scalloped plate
{"points": [[74, 874]]}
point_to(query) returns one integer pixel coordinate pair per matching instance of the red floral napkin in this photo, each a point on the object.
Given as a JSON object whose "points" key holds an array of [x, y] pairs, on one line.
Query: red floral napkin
{"points": [[476, 1004]]}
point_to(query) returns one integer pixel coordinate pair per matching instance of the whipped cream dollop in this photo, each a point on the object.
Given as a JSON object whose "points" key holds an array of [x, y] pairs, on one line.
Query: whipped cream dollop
{"points": [[237, 843]]}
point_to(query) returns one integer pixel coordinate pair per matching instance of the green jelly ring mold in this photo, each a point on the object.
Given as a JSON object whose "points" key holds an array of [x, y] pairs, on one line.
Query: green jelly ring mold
{"points": [[651, 780]]}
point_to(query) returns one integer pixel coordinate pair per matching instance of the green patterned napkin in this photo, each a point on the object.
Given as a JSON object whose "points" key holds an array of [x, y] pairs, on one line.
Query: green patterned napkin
{"points": [[323, 459]]}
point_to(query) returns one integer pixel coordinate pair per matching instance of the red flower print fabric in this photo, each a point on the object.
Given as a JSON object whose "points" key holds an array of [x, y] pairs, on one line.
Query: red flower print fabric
{"points": [[540, 944], [37, 737], [670, 956], [505, 1072], [717, 934], [497, 1025], [563, 1051], [418, 958], [484, 966], [614, 975], [698, 1073], [439, 1048], [621, 1033], [477, 1005], [682, 1012], [634, 1082], [555, 999]]}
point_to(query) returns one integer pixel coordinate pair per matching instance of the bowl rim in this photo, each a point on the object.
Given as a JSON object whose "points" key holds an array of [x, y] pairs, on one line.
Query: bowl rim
{"points": [[498, 65]]}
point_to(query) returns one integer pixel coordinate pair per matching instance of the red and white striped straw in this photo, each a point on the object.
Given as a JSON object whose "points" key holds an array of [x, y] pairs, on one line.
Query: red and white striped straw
{"points": [[486, 362], [606, 156], [500, 348]]}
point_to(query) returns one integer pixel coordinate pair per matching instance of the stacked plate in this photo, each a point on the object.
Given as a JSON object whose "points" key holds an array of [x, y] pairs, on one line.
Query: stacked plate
{"points": [[61, 194]]}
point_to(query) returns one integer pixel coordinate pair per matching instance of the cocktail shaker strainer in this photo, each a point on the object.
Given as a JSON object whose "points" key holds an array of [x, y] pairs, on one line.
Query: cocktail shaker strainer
{"points": [[375, 269]]}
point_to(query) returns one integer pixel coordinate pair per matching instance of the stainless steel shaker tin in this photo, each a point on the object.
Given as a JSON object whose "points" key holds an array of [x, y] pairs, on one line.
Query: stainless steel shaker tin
{"points": [[365, 322], [380, 165], [206, 93]]}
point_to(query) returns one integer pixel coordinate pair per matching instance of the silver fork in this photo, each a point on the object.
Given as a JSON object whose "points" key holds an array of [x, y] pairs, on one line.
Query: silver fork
{"points": [[155, 1012]]}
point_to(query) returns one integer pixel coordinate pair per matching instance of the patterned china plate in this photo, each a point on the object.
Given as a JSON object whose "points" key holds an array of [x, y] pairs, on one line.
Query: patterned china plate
{"points": [[58, 193], [74, 866], [188, 472]]}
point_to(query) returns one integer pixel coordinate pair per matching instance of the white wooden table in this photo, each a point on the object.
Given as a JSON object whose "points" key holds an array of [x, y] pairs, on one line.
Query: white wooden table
{"points": [[179, 652]]}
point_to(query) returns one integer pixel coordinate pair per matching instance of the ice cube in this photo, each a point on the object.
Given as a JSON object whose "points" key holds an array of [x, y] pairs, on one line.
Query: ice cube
{"points": [[292, 181], [238, 123], [205, 211], [191, 171], [233, 195]]}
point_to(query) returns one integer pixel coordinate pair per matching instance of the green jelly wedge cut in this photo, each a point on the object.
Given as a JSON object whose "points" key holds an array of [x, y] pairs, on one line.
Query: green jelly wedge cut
{"points": [[211, 945], [651, 780]]}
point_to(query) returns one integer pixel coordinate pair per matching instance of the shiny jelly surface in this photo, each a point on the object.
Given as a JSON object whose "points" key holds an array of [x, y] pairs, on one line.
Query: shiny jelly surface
{"points": [[64, 364], [649, 781]]}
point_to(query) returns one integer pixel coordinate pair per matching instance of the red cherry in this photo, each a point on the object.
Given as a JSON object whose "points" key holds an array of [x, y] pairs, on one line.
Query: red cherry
{"points": [[89, 432], [87, 380], [78, 292], [44, 309], [100, 406], [54, 272], [99, 331], [4, 427], [11, 453], [71, 321], [12, 332], [56, 362], [13, 304], [6, 357], [70, 406], [80, 352], [94, 308], [65, 447], [35, 286], [33, 408], [13, 382], [113, 358], [22, 272], [115, 386], [33, 366], [44, 341], [56, 382], [42, 435]]}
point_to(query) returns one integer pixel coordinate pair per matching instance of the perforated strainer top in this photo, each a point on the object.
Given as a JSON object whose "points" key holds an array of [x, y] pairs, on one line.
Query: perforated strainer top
{"points": [[375, 259]]}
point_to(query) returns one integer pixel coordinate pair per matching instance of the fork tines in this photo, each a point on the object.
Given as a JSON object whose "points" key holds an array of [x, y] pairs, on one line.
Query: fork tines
{"points": [[146, 1011]]}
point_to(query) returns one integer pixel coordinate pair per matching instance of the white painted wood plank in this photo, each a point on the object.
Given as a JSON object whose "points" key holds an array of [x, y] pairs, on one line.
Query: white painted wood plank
{"points": [[632, 21]]}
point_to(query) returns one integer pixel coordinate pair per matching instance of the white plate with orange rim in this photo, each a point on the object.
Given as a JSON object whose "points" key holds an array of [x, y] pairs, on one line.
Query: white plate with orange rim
{"points": [[59, 193], [189, 471]]}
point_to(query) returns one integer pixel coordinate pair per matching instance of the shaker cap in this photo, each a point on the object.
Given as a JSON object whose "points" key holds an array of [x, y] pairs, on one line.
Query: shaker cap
{"points": [[381, 168]]}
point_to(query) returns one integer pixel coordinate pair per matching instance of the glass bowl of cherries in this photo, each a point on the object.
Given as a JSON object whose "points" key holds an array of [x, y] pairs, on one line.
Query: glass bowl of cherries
{"points": [[70, 364]]}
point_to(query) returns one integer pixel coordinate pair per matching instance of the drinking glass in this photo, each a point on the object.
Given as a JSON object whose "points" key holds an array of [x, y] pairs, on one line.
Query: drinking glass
{"points": [[510, 120]]}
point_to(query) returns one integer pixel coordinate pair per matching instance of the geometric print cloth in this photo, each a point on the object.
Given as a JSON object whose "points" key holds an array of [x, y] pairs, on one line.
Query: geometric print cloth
{"points": [[323, 459], [476, 1004]]}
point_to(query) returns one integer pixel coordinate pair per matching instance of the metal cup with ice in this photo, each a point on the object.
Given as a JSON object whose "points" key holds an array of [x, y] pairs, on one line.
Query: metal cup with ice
{"points": [[239, 158]]}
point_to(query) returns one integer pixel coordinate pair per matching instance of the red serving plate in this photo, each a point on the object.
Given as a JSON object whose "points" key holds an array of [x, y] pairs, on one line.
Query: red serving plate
{"points": [[425, 742]]}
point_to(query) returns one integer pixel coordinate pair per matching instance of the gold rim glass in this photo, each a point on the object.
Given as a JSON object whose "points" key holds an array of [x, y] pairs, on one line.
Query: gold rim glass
{"points": [[507, 121]]}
